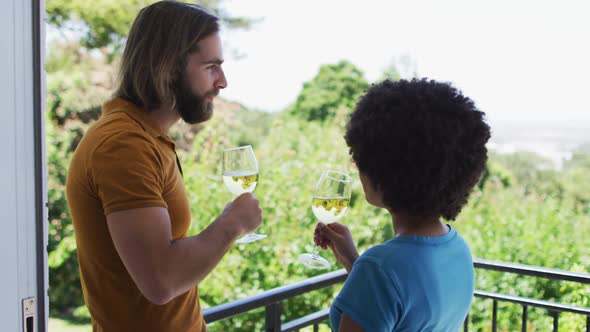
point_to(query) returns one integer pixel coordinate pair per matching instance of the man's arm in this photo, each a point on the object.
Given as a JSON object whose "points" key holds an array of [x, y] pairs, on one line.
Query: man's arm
{"points": [[349, 325], [162, 268]]}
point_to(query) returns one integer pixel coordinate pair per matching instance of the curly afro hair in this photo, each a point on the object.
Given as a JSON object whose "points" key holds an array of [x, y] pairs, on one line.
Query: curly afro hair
{"points": [[421, 143]]}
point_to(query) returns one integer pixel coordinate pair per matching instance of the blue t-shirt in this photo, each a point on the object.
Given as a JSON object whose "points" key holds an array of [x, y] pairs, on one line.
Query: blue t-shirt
{"points": [[409, 283]]}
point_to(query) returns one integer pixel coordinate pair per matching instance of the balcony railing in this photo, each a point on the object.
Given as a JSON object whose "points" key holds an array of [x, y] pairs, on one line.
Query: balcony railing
{"points": [[272, 299]]}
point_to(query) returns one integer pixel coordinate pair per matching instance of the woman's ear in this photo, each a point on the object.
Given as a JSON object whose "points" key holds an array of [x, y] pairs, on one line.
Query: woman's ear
{"points": [[372, 194]]}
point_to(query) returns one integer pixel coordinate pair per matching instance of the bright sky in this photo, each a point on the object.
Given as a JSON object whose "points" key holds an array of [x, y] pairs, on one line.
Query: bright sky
{"points": [[518, 59]]}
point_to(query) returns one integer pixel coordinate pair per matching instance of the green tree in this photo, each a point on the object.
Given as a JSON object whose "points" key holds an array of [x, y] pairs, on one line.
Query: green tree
{"points": [[579, 159], [105, 23], [495, 172], [335, 86], [400, 67], [391, 72], [576, 179], [533, 172]]}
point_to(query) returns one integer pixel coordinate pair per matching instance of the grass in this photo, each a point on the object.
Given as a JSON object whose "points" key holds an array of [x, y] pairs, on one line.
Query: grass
{"points": [[63, 325]]}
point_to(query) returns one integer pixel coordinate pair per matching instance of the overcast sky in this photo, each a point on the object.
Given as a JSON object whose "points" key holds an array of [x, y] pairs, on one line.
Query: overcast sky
{"points": [[518, 59]]}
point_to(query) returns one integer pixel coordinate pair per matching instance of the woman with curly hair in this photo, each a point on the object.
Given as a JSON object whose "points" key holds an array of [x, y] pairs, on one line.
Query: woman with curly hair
{"points": [[419, 147]]}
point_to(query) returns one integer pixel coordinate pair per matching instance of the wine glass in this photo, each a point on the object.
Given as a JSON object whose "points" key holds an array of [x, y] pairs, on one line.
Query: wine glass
{"points": [[240, 175], [330, 202]]}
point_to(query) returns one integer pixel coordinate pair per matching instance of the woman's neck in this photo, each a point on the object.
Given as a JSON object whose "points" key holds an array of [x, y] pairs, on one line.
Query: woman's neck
{"points": [[405, 224]]}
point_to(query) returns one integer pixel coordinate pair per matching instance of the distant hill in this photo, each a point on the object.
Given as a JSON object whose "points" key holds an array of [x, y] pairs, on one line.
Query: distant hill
{"points": [[555, 141]]}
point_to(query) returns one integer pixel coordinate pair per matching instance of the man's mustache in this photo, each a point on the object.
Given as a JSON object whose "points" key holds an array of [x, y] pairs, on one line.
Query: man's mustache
{"points": [[212, 93]]}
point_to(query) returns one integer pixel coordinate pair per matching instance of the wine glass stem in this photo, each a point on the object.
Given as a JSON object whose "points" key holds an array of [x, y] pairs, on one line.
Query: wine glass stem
{"points": [[316, 250]]}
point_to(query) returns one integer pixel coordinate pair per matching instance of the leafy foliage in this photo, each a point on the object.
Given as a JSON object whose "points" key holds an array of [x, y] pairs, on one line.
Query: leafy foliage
{"points": [[525, 210], [105, 23], [504, 221], [335, 86], [400, 67]]}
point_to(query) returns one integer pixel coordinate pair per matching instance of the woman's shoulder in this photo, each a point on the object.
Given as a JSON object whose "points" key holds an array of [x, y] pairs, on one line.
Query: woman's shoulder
{"points": [[390, 255], [380, 255]]}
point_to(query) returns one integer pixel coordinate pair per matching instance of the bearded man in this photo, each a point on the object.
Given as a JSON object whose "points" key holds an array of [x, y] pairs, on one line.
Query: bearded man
{"points": [[125, 190]]}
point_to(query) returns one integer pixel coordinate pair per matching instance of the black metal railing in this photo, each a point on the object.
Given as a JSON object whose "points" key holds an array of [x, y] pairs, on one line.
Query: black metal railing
{"points": [[271, 300], [540, 272]]}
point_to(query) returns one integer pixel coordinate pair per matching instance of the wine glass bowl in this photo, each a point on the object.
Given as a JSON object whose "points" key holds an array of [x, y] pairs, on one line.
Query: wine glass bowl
{"points": [[240, 182]]}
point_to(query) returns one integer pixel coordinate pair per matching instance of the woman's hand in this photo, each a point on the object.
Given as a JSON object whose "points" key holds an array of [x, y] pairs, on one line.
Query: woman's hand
{"points": [[338, 238]]}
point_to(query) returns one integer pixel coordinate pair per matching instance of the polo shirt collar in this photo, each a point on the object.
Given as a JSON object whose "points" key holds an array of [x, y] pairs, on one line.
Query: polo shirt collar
{"points": [[136, 113]]}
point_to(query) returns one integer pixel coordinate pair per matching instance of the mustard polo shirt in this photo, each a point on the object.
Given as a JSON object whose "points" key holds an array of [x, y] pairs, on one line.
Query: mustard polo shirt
{"points": [[124, 162]]}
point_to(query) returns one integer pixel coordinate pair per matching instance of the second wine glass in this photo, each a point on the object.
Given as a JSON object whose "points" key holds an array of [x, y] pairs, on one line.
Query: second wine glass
{"points": [[330, 202], [240, 175]]}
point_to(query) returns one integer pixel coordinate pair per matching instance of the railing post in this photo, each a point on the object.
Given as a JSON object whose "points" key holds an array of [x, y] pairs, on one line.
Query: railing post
{"points": [[273, 317], [555, 321], [494, 316], [524, 317]]}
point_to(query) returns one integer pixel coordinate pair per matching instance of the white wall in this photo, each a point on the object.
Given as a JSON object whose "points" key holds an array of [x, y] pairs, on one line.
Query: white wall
{"points": [[18, 210]]}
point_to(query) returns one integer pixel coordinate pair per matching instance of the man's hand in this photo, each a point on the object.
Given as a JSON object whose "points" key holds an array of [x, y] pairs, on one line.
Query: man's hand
{"points": [[338, 238], [241, 216]]}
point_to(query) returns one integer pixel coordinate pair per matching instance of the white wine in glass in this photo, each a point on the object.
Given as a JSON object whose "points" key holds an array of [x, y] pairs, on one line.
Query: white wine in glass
{"points": [[240, 175], [330, 202], [240, 182]]}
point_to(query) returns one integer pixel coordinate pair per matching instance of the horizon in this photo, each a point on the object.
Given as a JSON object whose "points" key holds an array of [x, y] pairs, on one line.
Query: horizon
{"points": [[458, 41]]}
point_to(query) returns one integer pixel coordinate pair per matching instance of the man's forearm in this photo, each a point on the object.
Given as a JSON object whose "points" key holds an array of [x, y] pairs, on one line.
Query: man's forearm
{"points": [[189, 260]]}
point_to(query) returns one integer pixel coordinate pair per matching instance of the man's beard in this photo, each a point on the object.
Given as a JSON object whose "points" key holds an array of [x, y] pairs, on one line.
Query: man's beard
{"points": [[192, 108]]}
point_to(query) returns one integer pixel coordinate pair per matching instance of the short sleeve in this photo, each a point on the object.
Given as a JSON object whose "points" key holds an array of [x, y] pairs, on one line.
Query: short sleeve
{"points": [[127, 172], [369, 297]]}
